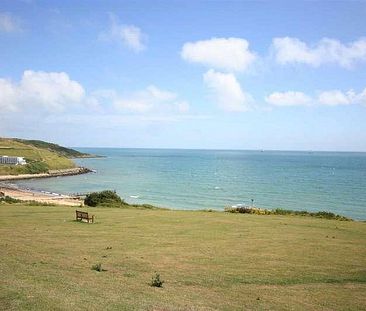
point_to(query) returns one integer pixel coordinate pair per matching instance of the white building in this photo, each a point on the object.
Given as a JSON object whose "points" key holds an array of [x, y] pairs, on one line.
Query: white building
{"points": [[12, 160]]}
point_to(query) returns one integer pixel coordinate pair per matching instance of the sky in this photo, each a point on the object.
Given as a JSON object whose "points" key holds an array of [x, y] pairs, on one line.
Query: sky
{"points": [[272, 75]]}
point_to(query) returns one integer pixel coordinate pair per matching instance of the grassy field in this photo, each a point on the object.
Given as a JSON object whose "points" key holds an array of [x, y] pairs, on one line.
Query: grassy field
{"points": [[34, 155], [209, 261]]}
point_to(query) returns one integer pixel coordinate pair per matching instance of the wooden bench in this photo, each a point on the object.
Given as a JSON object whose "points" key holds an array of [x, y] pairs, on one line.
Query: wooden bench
{"points": [[80, 216]]}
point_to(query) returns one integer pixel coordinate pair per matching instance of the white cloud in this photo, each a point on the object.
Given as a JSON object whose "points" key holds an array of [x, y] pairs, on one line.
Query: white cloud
{"points": [[150, 100], [230, 54], [128, 35], [292, 50], [153, 92], [8, 96], [361, 97], [289, 98], [9, 23], [52, 91], [337, 97], [325, 98], [227, 91], [113, 121]]}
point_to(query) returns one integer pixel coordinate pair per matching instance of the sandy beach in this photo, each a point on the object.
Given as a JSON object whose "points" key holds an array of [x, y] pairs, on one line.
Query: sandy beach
{"points": [[43, 197]]}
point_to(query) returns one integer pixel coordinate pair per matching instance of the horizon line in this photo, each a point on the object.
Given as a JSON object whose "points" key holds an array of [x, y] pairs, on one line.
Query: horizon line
{"points": [[223, 149]]}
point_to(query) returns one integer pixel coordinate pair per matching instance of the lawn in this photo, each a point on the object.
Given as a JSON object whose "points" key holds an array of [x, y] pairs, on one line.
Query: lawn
{"points": [[208, 260]]}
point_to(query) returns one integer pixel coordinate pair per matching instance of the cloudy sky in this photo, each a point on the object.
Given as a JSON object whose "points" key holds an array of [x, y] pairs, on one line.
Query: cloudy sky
{"points": [[185, 74]]}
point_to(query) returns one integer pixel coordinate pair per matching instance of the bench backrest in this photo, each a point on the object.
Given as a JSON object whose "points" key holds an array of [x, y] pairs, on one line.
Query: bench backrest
{"points": [[82, 214]]}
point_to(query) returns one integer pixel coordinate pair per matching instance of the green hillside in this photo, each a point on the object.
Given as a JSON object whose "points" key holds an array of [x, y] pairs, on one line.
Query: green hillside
{"points": [[40, 156], [63, 151]]}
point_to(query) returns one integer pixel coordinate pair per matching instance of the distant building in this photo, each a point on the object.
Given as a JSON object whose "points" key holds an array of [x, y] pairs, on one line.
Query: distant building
{"points": [[12, 160]]}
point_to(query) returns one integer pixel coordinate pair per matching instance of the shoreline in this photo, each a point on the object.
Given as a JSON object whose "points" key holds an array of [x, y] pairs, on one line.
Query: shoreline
{"points": [[51, 173], [26, 194], [42, 196]]}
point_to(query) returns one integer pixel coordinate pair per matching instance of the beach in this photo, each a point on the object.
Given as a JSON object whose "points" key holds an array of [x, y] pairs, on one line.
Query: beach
{"points": [[42, 196], [39, 196]]}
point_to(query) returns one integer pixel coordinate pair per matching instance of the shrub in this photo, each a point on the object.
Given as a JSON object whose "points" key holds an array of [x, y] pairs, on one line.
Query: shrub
{"points": [[247, 210], [148, 206], [279, 211], [329, 215], [241, 210], [36, 168], [37, 203], [9, 200], [103, 198], [156, 281]]}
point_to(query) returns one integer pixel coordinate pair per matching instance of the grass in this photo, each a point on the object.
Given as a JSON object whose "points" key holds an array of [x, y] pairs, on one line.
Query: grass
{"points": [[63, 151], [209, 261], [39, 159]]}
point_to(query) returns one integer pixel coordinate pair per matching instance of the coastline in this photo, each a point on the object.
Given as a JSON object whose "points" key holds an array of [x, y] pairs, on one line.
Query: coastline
{"points": [[25, 194], [41, 196], [51, 173]]}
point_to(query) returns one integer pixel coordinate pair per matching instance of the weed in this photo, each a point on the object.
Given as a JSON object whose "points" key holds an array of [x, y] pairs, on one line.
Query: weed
{"points": [[9, 200], [97, 267], [156, 281]]}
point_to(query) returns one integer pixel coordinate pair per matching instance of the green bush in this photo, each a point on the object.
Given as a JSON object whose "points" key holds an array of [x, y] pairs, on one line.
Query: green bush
{"points": [[322, 214], [36, 168], [279, 211], [241, 210], [37, 203], [156, 281], [101, 198], [9, 200]]}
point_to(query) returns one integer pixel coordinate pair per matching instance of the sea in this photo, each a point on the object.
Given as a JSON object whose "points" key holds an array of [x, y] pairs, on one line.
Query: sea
{"points": [[215, 179]]}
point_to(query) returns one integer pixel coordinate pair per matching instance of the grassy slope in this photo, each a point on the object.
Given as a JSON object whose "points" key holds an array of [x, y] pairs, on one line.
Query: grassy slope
{"points": [[11, 147], [63, 151], [210, 261]]}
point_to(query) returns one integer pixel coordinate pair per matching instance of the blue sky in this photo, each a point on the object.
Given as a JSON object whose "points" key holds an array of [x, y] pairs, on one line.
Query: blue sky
{"points": [[185, 74]]}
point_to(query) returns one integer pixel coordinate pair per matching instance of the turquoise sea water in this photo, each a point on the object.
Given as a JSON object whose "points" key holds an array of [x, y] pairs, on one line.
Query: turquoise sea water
{"points": [[203, 179]]}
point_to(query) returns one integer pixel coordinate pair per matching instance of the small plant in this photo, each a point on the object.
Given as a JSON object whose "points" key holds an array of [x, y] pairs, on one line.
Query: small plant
{"points": [[36, 203], [97, 267], [9, 200], [156, 281]]}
